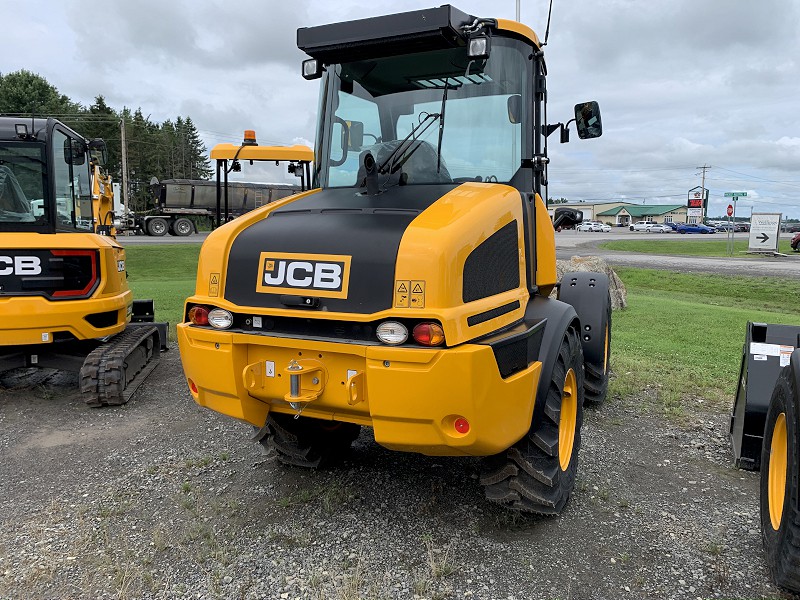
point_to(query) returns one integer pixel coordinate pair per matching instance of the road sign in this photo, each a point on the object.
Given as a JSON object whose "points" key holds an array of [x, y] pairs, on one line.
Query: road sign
{"points": [[735, 194], [764, 231], [730, 210]]}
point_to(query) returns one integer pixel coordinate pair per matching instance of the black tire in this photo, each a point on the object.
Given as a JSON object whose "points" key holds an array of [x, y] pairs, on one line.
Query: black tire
{"points": [[781, 543], [183, 227], [682, 232], [631, 227], [157, 227], [532, 476], [596, 373], [307, 442]]}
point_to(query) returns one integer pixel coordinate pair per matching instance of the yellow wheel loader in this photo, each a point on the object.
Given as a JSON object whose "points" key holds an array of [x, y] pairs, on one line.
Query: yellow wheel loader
{"points": [[64, 297], [409, 290], [765, 434]]}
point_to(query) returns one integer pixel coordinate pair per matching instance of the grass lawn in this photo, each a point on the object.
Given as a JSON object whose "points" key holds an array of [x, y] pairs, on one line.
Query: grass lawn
{"points": [[718, 246], [681, 335], [166, 273]]}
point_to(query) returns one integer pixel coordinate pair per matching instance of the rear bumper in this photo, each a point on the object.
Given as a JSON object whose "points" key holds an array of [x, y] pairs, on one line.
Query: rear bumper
{"points": [[410, 396], [36, 320]]}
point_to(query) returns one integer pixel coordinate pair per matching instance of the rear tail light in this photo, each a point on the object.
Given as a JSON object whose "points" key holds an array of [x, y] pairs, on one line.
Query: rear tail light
{"points": [[429, 334], [198, 315], [78, 270]]}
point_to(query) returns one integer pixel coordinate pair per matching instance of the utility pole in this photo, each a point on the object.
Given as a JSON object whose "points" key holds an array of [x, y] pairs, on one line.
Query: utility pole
{"points": [[704, 168], [518, 11], [124, 166]]}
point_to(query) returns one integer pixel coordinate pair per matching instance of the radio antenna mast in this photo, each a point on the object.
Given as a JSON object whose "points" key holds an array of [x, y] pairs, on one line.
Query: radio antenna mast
{"points": [[547, 31]]}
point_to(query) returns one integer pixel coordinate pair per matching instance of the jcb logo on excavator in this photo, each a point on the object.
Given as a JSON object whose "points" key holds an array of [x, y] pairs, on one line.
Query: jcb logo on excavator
{"points": [[20, 265], [322, 275]]}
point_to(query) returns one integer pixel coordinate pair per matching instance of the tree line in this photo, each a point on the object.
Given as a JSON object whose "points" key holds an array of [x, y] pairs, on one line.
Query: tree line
{"points": [[168, 150]]}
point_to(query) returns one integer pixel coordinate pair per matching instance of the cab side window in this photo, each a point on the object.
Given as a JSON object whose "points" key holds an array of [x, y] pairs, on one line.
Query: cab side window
{"points": [[73, 192]]}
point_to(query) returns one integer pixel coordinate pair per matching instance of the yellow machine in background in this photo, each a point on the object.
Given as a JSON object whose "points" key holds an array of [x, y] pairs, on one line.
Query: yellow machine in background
{"points": [[409, 292], [64, 297]]}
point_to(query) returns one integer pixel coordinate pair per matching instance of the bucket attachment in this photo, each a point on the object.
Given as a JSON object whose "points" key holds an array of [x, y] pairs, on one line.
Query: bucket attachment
{"points": [[767, 349]]}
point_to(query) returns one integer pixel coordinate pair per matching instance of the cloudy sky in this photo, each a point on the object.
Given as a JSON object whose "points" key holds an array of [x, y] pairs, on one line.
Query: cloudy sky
{"points": [[681, 83]]}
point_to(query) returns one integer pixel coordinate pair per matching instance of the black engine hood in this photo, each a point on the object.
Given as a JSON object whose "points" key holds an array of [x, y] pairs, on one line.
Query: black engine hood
{"points": [[338, 225]]}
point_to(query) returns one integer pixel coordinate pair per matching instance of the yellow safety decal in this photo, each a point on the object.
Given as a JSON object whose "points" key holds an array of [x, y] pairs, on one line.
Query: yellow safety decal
{"points": [[402, 293], [213, 285], [417, 294], [320, 275]]}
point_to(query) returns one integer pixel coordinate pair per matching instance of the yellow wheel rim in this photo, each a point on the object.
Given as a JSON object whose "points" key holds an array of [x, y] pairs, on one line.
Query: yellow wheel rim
{"points": [[568, 419], [605, 351], [776, 486]]}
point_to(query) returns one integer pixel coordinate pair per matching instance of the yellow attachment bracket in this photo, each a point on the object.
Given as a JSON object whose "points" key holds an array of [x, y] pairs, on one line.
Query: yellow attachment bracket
{"points": [[307, 379], [356, 389]]}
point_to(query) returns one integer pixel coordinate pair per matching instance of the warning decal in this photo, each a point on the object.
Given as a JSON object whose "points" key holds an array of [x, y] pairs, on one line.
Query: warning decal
{"points": [[213, 285], [417, 294], [401, 295]]}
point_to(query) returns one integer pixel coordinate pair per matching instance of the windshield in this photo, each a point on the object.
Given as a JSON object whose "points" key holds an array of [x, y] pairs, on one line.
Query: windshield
{"points": [[428, 117], [23, 177]]}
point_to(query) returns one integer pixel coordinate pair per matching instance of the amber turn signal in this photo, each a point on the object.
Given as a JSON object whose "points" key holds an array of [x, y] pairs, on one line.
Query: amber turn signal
{"points": [[428, 334]]}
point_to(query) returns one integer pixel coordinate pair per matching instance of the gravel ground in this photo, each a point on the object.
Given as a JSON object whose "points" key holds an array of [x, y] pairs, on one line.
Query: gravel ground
{"points": [[163, 499]]}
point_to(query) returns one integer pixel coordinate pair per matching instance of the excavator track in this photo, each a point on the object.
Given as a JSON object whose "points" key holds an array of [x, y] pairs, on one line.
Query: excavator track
{"points": [[113, 371]]}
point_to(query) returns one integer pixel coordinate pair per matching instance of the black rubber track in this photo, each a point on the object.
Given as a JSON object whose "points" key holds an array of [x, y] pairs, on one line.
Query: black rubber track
{"points": [[307, 442], [528, 476], [113, 370], [596, 380], [783, 546]]}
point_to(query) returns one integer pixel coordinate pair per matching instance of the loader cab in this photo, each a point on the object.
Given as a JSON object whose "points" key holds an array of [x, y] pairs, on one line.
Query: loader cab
{"points": [[430, 97], [45, 177]]}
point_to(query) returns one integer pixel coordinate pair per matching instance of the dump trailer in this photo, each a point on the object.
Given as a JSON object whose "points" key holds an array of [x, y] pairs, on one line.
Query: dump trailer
{"points": [[765, 436], [408, 291], [64, 297]]}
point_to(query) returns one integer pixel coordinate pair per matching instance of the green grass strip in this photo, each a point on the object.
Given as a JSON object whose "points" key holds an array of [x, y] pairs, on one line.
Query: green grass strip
{"points": [[692, 247]]}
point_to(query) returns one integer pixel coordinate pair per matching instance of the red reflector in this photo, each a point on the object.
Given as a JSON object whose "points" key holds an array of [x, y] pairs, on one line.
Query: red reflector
{"points": [[198, 315], [461, 425], [428, 334], [192, 386]]}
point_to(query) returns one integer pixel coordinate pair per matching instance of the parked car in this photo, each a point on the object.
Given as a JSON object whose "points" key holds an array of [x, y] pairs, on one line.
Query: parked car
{"points": [[742, 227], [725, 227], [642, 225], [594, 226], [659, 228], [695, 228], [795, 243], [794, 228], [671, 225]]}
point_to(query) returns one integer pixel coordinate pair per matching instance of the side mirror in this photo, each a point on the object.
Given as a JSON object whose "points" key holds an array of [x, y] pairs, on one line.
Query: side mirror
{"points": [[98, 151], [566, 217], [74, 152], [587, 120], [356, 137], [514, 106]]}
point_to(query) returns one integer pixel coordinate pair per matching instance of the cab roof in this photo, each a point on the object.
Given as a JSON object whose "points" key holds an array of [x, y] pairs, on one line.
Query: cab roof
{"points": [[267, 153], [400, 33]]}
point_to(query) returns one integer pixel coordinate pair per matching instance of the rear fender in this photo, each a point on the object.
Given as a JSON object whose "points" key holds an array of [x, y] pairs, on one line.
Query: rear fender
{"points": [[587, 292], [560, 316]]}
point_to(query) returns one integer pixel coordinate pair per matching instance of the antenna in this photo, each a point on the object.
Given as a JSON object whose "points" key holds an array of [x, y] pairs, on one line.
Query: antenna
{"points": [[547, 32]]}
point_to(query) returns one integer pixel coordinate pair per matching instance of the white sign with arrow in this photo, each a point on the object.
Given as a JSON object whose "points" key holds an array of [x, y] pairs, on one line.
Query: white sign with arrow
{"points": [[764, 232]]}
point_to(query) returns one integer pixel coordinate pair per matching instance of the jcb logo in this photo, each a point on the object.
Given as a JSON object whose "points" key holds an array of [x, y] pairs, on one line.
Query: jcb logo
{"points": [[20, 265], [320, 275]]}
